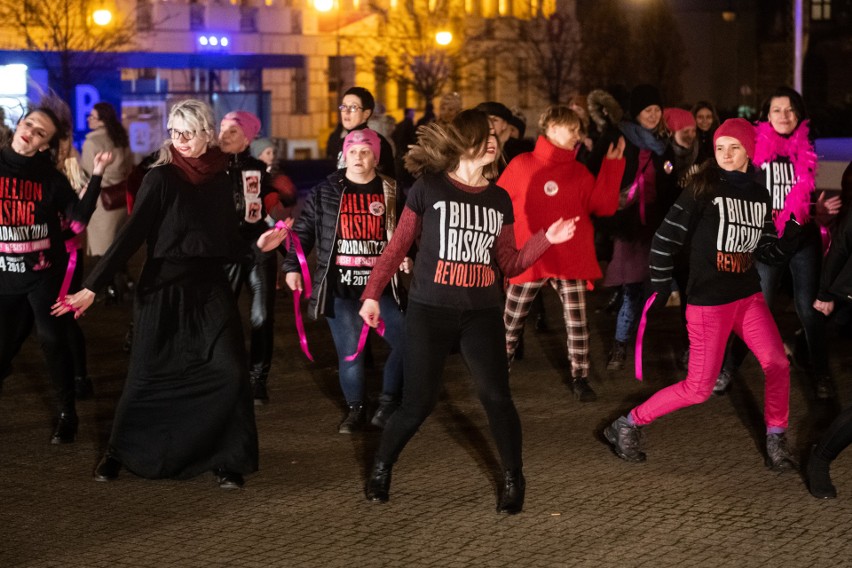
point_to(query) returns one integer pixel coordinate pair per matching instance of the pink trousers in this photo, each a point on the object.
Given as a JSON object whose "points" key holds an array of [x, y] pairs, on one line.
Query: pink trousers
{"points": [[709, 328]]}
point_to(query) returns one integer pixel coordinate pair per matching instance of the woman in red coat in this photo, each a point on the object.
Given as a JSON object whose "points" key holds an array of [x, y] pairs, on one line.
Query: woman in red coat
{"points": [[546, 184]]}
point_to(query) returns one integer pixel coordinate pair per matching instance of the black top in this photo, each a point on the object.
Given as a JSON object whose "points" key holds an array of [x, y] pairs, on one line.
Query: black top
{"points": [[178, 221], [456, 264], [729, 226], [33, 195], [361, 237]]}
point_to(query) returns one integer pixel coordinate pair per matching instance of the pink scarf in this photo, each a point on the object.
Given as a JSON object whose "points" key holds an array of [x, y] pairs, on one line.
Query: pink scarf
{"points": [[798, 148]]}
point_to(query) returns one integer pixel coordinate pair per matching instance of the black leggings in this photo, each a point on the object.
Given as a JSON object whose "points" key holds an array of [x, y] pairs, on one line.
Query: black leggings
{"points": [[837, 437], [52, 332], [260, 277], [431, 333]]}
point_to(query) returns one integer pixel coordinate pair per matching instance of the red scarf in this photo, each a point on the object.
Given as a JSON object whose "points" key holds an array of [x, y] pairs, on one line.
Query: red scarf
{"points": [[201, 169]]}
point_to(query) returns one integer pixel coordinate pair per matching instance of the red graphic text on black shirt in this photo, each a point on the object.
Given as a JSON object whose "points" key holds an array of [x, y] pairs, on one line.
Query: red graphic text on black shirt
{"points": [[740, 227], [19, 232], [467, 234], [361, 236]]}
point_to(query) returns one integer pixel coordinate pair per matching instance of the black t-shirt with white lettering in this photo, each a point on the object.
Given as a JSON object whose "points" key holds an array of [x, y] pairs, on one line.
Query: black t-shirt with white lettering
{"points": [[361, 237], [456, 265], [725, 227]]}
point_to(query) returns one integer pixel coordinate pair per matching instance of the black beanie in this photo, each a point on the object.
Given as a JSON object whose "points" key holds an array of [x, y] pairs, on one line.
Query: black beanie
{"points": [[643, 96], [493, 108]]}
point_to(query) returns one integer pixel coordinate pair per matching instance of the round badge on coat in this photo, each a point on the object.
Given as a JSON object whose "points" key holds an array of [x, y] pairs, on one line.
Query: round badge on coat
{"points": [[668, 167], [551, 188], [377, 208]]}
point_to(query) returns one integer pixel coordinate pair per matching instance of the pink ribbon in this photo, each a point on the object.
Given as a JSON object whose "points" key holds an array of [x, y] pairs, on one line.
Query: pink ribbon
{"points": [[639, 187], [306, 284], [640, 334], [365, 331], [71, 248]]}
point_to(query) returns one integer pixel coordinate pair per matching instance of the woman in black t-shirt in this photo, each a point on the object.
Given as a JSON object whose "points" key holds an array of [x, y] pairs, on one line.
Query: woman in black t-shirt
{"points": [[464, 222]]}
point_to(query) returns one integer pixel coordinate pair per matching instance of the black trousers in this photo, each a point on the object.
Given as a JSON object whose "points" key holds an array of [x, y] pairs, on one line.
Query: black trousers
{"points": [[837, 437], [53, 333], [431, 333], [260, 277]]}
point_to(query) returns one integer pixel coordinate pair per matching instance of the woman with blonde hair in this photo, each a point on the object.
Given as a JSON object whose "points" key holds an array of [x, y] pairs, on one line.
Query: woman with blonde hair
{"points": [[187, 405], [464, 224]]}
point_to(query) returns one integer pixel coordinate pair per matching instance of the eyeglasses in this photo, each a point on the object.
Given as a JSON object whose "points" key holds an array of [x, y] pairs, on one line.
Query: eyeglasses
{"points": [[350, 108], [186, 135]]}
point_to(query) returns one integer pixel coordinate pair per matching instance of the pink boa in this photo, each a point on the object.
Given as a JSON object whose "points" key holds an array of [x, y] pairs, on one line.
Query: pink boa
{"points": [[798, 148]]}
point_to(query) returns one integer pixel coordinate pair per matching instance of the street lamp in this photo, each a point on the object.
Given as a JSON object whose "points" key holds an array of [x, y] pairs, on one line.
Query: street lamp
{"points": [[102, 17], [443, 38]]}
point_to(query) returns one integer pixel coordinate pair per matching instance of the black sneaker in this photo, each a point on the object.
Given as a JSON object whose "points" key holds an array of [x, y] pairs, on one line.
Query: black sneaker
{"points": [[778, 457], [229, 479], [582, 391], [354, 420], [624, 439], [723, 382]]}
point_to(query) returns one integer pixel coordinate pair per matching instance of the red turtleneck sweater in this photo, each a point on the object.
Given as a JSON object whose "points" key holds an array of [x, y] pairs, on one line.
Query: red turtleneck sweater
{"points": [[548, 183]]}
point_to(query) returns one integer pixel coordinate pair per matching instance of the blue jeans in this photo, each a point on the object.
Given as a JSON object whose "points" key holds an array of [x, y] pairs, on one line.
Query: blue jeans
{"points": [[631, 309], [346, 330], [804, 267]]}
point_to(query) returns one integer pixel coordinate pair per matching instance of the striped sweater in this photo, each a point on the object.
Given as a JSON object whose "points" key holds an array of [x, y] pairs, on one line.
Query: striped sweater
{"points": [[726, 229]]}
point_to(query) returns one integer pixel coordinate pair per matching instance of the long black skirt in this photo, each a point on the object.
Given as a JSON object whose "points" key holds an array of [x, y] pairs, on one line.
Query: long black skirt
{"points": [[187, 406]]}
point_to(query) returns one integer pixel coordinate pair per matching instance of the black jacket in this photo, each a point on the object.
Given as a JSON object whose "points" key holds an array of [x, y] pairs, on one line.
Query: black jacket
{"points": [[317, 227], [836, 281]]}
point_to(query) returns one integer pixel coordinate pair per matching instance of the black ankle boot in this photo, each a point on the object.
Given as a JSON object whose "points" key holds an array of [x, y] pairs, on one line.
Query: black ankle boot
{"points": [[512, 495], [107, 469], [378, 484], [819, 478], [66, 428]]}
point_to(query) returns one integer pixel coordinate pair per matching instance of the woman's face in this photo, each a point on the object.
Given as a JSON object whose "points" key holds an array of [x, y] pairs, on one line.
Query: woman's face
{"points": [[490, 153], [650, 117], [33, 134], [352, 112], [232, 139], [704, 119], [188, 142], [93, 120], [782, 117], [731, 155], [562, 135]]}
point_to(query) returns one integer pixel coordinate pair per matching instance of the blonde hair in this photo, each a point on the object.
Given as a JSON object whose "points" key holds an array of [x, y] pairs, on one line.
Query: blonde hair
{"points": [[440, 148], [561, 115], [196, 115]]}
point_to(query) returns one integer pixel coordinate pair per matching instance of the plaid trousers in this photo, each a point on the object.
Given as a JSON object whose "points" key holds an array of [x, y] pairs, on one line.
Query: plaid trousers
{"points": [[519, 298]]}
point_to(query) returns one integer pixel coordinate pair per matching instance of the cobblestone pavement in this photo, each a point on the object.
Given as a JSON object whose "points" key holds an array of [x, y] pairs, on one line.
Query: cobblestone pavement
{"points": [[703, 498]]}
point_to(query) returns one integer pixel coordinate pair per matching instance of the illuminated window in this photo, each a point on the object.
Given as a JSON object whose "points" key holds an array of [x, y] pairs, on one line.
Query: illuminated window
{"points": [[820, 9], [504, 7]]}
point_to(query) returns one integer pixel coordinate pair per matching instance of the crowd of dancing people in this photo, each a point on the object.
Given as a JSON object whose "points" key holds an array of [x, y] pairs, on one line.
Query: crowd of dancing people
{"points": [[645, 199]]}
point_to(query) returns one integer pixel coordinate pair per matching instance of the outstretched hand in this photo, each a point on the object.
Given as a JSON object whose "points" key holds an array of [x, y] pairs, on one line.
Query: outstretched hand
{"points": [[561, 230], [616, 151], [77, 303], [272, 239]]}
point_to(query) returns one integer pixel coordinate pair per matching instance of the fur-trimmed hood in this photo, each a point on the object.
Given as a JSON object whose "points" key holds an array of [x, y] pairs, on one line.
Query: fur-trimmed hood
{"points": [[603, 108]]}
